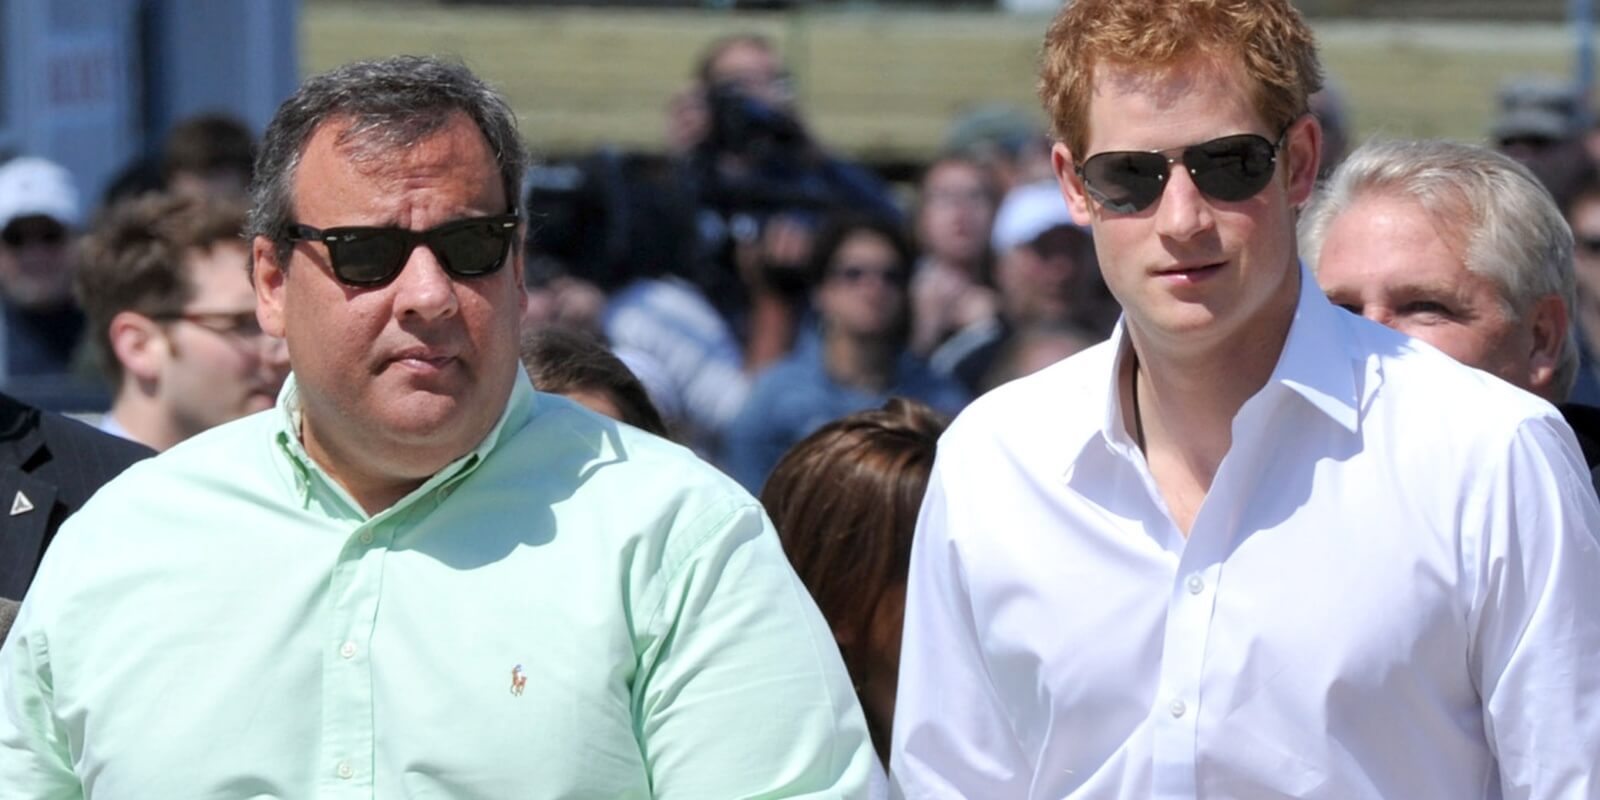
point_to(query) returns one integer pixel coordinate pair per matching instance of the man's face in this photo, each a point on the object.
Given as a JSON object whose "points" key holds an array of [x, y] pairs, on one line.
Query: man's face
{"points": [[957, 213], [220, 365], [863, 292], [1036, 279], [1384, 258], [400, 379], [756, 72], [1585, 221], [1191, 271], [35, 263]]}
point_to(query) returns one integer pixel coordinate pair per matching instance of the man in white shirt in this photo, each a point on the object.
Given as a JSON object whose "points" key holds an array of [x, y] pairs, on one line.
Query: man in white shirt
{"points": [[1252, 546]]}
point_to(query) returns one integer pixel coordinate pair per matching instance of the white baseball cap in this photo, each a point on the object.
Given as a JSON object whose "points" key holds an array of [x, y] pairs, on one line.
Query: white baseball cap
{"points": [[36, 187], [1027, 212]]}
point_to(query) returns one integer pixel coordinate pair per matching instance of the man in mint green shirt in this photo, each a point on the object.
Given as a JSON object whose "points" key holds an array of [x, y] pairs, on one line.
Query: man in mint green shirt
{"points": [[417, 577]]}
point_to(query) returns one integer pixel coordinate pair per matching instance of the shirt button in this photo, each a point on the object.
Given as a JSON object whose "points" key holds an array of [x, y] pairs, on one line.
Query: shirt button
{"points": [[346, 771], [365, 537], [1178, 709], [348, 650], [1196, 584]]}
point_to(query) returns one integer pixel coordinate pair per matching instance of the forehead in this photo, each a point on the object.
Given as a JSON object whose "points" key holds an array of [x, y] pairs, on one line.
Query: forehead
{"points": [[1382, 242], [1196, 98], [743, 58], [350, 166], [961, 174]]}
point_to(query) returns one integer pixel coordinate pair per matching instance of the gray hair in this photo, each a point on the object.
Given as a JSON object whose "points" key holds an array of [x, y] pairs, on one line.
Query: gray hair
{"points": [[389, 103], [1513, 231]]}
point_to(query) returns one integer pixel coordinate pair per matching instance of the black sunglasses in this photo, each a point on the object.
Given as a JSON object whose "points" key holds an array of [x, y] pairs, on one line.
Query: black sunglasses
{"points": [[368, 256], [1230, 169], [19, 234]]}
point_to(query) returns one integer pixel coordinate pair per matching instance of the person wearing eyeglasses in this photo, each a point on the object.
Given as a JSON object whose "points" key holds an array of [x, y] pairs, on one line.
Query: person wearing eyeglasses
{"points": [[852, 358], [164, 280], [40, 326], [1253, 545], [1461, 247], [416, 576]]}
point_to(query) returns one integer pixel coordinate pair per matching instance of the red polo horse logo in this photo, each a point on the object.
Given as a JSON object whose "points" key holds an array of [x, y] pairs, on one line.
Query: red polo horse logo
{"points": [[519, 681]]}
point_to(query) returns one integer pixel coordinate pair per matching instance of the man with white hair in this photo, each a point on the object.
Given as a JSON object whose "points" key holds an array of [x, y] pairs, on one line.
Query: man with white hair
{"points": [[1461, 247]]}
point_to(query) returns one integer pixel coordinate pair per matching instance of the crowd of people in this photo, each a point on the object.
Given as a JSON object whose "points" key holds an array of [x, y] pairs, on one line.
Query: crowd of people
{"points": [[1172, 451]]}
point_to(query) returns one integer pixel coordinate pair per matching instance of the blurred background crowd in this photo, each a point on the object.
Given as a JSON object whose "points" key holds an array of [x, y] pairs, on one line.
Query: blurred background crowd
{"points": [[759, 277]]}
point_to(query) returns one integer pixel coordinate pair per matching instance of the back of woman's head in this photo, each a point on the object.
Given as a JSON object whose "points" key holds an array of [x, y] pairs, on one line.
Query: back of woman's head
{"points": [[845, 502]]}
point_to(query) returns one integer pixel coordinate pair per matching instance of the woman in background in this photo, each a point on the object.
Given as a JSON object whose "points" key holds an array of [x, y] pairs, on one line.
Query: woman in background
{"points": [[845, 501], [855, 359]]}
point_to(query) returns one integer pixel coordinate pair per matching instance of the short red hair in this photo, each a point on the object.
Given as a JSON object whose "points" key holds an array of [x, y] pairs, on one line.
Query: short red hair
{"points": [[1268, 39]]}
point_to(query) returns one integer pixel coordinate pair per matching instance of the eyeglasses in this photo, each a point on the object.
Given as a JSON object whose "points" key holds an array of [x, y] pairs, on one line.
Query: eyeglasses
{"points": [[240, 325], [1230, 169], [857, 273], [46, 232], [370, 256]]}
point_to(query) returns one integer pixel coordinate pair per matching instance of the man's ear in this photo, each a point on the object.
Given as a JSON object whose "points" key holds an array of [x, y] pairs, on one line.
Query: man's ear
{"points": [[1302, 150], [1549, 324], [1065, 168], [268, 278], [138, 344]]}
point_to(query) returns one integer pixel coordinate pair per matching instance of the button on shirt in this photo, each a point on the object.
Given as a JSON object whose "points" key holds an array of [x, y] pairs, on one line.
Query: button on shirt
{"points": [[573, 609], [1388, 592]]}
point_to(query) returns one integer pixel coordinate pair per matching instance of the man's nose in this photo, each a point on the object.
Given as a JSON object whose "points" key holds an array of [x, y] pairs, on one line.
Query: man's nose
{"points": [[423, 288]]}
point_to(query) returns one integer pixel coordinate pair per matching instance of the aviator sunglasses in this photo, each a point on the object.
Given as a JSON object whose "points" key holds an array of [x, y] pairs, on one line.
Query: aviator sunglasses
{"points": [[1229, 169], [369, 256]]}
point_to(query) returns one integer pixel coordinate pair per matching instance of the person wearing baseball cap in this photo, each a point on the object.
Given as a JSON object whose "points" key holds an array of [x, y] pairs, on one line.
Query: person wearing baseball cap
{"points": [[1046, 274], [39, 221]]}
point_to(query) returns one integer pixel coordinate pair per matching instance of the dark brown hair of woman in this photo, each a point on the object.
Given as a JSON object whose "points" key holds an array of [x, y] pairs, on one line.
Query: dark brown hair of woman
{"points": [[845, 502], [567, 362]]}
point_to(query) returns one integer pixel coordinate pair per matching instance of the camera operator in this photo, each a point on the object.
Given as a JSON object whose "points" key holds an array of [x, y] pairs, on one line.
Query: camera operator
{"points": [[760, 182]]}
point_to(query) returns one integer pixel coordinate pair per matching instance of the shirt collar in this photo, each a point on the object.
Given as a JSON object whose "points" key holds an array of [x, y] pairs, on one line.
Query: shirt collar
{"points": [[307, 474], [1316, 363]]}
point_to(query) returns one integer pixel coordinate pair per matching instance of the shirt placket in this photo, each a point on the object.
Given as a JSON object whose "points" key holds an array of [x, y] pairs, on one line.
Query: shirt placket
{"points": [[348, 752], [1176, 712], [1191, 612]]}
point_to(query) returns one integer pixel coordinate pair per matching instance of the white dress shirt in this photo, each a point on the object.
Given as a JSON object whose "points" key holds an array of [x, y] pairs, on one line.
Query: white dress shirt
{"points": [[1392, 590]]}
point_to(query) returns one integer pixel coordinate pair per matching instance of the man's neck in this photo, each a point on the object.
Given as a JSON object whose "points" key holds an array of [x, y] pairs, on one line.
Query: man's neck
{"points": [[1187, 398], [144, 420]]}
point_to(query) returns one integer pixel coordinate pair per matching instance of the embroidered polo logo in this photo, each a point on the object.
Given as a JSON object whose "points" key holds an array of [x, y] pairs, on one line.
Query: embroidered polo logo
{"points": [[20, 504], [519, 681]]}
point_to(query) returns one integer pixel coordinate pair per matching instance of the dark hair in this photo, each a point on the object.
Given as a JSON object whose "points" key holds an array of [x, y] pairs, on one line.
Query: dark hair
{"points": [[389, 104], [844, 501], [560, 361], [134, 260], [207, 143], [838, 229]]}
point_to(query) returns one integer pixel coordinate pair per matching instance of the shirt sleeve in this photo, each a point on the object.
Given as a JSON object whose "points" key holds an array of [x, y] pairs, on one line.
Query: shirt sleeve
{"points": [[1536, 616], [951, 736], [741, 691], [34, 760]]}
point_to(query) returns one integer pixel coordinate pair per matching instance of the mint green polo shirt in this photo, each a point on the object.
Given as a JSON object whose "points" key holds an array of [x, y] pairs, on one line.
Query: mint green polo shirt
{"points": [[574, 609]]}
